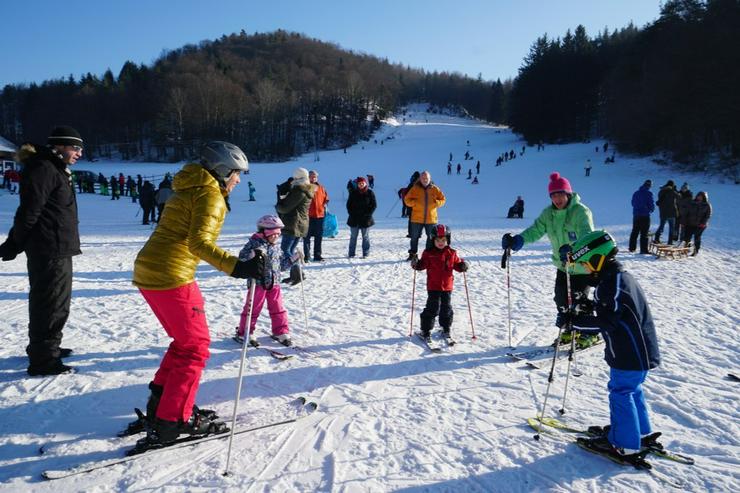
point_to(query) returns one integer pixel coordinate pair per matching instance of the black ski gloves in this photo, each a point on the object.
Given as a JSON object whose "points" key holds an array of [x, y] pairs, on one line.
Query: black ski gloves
{"points": [[296, 275], [514, 242], [8, 250], [464, 266], [254, 267]]}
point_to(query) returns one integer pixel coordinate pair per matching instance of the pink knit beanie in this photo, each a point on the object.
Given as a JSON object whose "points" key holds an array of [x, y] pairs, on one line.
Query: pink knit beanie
{"points": [[558, 184]]}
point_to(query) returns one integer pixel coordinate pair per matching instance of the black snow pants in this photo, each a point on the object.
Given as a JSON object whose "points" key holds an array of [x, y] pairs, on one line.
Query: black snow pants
{"points": [[438, 302], [48, 307]]}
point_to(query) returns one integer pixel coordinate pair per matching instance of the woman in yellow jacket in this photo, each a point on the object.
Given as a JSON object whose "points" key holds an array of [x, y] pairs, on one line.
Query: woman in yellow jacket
{"points": [[164, 272], [424, 198]]}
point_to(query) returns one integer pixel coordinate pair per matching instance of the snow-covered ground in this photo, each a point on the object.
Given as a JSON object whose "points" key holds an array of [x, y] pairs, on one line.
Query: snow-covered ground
{"points": [[391, 416]]}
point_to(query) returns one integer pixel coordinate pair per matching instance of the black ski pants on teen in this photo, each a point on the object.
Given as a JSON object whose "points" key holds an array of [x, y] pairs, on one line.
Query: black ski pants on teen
{"points": [[438, 302], [48, 307]]}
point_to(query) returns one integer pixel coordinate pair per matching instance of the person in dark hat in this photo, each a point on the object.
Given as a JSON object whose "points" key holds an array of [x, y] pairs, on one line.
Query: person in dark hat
{"points": [[45, 227]]}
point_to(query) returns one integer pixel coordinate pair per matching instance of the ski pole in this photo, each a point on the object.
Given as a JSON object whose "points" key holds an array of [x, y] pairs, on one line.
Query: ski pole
{"points": [[413, 295], [573, 335], [250, 296], [470, 311], [549, 382], [303, 295], [394, 206], [506, 262]]}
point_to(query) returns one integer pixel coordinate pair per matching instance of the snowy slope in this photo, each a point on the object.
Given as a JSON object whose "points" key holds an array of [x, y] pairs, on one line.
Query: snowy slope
{"points": [[392, 416]]}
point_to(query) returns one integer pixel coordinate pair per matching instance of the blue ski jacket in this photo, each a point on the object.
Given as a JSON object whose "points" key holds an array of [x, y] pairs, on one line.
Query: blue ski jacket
{"points": [[623, 318], [642, 202]]}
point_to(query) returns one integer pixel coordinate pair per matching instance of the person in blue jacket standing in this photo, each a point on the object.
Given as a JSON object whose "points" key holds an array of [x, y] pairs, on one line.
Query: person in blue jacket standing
{"points": [[623, 317], [642, 206]]}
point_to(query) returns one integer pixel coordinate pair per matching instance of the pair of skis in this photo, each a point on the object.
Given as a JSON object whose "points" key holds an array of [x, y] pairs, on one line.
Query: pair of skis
{"points": [[436, 346], [578, 436], [541, 357], [306, 408]]}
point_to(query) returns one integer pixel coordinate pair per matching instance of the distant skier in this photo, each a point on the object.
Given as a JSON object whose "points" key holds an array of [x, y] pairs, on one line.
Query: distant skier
{"points": [[700, 210], [470, 174], [477, 168], [631, 349], [251, 191], [439, 260], [587, 167], [516, 210], [458, 168], [449, 168]]}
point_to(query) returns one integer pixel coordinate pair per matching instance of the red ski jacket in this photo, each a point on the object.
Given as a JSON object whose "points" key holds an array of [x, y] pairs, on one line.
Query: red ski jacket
{"points": [[439, 265]]}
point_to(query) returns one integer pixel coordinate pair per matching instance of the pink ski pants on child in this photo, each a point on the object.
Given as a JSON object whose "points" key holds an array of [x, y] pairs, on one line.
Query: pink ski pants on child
{"points": [[278, 315], [181, 313]]}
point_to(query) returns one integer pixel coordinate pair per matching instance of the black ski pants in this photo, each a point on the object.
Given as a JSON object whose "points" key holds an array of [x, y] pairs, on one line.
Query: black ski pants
{"points": [[640, 226], [438, 303], [578, 285], [48, 307]]}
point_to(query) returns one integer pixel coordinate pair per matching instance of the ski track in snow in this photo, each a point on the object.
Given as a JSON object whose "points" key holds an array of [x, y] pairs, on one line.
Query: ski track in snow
{"points": [[392, 416]]}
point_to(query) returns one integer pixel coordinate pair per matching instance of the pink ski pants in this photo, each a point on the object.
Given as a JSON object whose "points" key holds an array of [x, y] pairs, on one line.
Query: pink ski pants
{"points": [[278, 315], [181, 313]]}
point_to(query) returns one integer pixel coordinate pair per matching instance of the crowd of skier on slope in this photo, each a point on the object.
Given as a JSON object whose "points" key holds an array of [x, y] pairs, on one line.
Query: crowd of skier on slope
{"points": [[45, 228]]}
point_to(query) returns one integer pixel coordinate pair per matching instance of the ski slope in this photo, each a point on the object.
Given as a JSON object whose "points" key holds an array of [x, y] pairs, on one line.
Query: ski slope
{"points": [[392, 416]]}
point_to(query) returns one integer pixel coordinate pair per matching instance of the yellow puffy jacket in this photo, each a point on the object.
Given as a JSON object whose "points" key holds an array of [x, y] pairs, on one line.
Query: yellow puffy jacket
{"points": [[424, 203], [186, 233]]}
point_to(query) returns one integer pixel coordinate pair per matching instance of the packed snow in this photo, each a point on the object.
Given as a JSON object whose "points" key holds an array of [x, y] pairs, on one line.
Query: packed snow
{"points": [[391, 415]]}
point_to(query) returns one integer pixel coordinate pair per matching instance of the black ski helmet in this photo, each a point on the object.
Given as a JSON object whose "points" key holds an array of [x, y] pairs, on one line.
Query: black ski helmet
{"points": [[440, 231], [223, 158]]}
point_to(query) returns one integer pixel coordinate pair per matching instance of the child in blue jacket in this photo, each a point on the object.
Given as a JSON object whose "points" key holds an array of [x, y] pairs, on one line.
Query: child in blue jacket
{"points": [[623, 317]]}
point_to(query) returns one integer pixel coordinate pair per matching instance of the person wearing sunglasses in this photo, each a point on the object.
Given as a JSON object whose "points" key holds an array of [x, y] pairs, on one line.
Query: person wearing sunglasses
{"points": [[45, 227]]}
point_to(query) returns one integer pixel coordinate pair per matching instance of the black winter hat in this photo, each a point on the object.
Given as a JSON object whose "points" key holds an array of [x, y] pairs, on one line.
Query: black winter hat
{"points": [[64, 135]]}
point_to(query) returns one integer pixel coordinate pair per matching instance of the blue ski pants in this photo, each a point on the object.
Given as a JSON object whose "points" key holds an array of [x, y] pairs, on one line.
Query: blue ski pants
{"points": [[629, 414]]}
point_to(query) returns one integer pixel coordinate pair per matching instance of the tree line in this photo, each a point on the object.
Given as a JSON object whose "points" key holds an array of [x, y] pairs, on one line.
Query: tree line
{"points": [[668, 87], [275, 94]]}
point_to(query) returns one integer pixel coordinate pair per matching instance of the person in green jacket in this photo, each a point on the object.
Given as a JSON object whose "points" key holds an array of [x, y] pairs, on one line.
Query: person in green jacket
{"points": [[564, 222]]}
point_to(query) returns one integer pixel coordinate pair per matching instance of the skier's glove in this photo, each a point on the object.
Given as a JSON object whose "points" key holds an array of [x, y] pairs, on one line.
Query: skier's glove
{"points": [[583, 307], [415, 263], [296, 276], [563, 321], [8, 251], [514, 242], [254, 267], [464, 266], [564, 253]]}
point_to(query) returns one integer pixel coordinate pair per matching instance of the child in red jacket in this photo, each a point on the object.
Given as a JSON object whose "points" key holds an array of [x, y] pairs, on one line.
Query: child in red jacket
{"points": [[439, 261]]}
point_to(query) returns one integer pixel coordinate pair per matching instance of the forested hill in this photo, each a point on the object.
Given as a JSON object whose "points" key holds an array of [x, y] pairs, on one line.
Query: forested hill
{"points": [[670, 86], [277, 94]]}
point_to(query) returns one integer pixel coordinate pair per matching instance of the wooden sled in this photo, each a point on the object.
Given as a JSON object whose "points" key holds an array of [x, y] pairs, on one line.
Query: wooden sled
{"points": [[671, 252]]}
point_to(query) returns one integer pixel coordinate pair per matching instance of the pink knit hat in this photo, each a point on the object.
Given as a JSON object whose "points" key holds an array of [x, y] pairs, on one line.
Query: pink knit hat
{"points": [[558, 184]]}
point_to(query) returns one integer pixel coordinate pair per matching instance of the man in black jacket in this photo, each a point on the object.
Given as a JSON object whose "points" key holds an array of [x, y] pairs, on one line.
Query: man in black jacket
{"points": [[46, 228]]}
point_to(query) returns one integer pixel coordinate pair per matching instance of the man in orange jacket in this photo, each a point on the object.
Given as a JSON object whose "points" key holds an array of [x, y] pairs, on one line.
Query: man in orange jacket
{"points": [[424, 198], [316, 213]]}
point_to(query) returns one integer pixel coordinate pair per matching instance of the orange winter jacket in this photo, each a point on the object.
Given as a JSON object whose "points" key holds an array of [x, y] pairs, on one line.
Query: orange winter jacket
{"points": [[424, 203], [317, 208], [186, 233]]}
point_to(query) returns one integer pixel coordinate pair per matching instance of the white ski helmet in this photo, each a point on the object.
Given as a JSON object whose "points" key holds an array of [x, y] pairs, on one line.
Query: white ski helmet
{"points": [[222, 159], [269, 222]]}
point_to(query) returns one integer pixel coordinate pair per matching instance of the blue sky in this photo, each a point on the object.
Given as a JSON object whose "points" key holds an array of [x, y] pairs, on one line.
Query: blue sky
{"points": [[44, 39]]}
